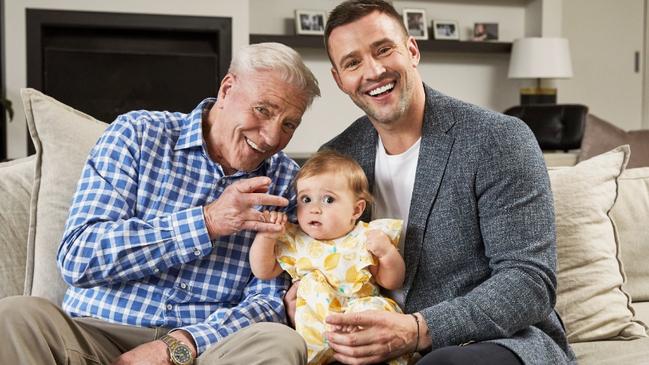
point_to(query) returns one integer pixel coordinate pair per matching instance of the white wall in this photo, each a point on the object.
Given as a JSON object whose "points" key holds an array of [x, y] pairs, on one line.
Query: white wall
{"points": [[476, 78], [603, 44], [645, 111], [15, 46]]}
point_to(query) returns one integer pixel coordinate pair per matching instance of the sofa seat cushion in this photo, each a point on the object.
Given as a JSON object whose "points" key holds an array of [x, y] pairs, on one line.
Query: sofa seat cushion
{"points": [[16, 178], [642, 311], [634, 352]]}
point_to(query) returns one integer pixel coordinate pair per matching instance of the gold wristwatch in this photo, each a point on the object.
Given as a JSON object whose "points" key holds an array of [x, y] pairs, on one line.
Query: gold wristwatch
{"points": [[179, 353]]}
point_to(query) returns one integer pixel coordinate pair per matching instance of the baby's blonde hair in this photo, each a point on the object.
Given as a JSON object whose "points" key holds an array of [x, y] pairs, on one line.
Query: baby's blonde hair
{"points": [[330, 161]]}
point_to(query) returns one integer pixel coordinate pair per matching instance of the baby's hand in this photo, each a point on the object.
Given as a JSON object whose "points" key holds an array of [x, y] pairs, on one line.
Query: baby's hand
{"points": [[378, 243], [278, 218]]}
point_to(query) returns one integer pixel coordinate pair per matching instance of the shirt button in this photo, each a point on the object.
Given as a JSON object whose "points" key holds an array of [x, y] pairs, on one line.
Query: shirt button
{"points": [[156, 270], [170, 307], [183, 285], [197, 252]]}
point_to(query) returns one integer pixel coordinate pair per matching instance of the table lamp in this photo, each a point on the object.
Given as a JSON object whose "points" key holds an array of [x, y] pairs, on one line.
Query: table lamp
{"points": [[540, 58]]}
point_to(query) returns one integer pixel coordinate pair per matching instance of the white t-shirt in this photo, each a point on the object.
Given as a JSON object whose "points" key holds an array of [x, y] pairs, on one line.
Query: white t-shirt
{"points": [[394, 181]]}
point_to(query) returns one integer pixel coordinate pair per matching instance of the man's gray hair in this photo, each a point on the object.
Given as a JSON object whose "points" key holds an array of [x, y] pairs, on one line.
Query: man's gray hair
{"points": [[278, 58]]}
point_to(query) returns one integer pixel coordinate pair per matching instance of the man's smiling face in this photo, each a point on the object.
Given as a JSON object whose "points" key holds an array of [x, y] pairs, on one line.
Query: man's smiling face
{"points": [[375, 64], [254, 117]]}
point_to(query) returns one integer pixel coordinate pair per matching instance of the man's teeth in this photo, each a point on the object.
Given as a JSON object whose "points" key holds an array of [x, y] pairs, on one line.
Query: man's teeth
{"points": [[381, 89], [254, 146]]}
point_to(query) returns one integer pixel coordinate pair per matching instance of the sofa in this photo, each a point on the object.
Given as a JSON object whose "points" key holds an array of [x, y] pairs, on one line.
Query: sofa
{"points": [[601, 207]]}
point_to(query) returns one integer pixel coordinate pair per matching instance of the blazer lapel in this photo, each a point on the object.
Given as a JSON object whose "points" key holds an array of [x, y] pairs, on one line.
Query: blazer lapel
{"points": [[434, 152], [365, 155]]}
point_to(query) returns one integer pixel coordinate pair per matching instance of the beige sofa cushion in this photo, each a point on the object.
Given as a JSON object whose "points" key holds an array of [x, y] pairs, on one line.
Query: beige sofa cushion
{"points": [[16, 179], [616, 352], [62, 137], [590, 298], [631, 217]]}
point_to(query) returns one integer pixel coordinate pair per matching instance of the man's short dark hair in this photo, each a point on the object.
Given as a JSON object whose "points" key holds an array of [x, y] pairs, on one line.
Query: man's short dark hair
{"points": [[352, 10]]}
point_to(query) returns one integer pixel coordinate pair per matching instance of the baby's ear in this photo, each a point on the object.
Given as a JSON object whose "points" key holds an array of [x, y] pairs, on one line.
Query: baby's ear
{"points": [[359, 208]]}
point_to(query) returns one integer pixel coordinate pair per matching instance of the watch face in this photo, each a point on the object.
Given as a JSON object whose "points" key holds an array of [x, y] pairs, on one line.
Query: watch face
{"points": [[182, 355]]}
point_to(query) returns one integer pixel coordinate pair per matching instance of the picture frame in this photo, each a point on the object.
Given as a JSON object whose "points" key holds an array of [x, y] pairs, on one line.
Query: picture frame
{"points": [[415, 22], [310, 22], [485, 32], [446, 29]]}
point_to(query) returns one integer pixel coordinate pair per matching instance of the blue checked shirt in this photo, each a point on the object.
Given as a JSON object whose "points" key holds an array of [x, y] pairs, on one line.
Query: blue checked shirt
{"points": [[136, 249]]}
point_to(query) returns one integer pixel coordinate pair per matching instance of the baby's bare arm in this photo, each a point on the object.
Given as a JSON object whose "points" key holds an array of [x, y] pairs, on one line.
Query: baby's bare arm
{"points": [[391, 269], [262, 252]]}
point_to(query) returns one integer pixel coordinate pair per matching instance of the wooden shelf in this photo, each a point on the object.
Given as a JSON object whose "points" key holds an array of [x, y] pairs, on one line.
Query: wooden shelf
{"points": [[429, 45], [297, 41]]}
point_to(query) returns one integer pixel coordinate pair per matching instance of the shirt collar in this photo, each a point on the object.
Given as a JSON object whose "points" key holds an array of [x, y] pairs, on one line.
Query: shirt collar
{"points": [[191, 132]]}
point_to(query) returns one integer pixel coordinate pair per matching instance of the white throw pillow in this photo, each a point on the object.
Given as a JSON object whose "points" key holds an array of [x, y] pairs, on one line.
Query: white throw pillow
{"points": [[631, 217], [63, 138], [590, 298]]}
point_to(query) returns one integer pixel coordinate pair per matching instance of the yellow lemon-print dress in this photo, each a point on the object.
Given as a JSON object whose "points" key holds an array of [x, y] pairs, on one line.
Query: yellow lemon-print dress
{"points": [[334, 277]]}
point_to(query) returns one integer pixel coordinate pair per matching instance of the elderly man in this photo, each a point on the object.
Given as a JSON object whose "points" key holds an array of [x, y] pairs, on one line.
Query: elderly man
{"points": [[155, 248], [480, 243]]}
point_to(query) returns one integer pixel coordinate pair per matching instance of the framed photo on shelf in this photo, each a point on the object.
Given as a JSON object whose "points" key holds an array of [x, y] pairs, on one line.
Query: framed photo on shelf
{"points": [[446, 29], [485, 31], [309, 22], [416, 24]]}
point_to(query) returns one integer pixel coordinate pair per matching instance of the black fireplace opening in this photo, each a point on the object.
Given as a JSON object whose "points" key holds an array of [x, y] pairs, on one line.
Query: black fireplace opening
{"points": [[106, 64]]}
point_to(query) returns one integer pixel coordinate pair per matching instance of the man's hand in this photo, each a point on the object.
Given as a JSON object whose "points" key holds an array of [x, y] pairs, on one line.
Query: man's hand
{"points": [[379, 336], [290, 298], [150, 353], [154, 352], [235, 209]]}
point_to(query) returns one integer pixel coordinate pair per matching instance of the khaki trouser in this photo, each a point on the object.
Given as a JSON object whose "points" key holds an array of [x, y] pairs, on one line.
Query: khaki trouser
{"points": [[35, 331]]}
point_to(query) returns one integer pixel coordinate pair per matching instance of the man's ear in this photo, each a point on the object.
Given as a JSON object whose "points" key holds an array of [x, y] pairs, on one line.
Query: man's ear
{"points": [[334, 73], [359, 208], [226, 85], [413, 50]]}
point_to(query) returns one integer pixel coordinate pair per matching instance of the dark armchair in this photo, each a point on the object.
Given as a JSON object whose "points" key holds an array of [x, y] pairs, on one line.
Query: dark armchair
{"points": [[556, 126]]}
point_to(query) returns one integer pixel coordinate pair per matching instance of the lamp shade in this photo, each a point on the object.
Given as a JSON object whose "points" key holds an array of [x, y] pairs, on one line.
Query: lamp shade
{"points": [[540, 58]]}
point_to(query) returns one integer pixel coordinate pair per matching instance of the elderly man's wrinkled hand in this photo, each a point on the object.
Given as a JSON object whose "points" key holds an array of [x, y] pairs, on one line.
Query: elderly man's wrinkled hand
{"points": [[235, 209], [150, 353]]}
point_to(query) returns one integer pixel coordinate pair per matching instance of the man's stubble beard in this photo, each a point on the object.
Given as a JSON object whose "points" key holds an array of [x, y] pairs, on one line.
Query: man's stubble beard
{"points": [[400, 109]]}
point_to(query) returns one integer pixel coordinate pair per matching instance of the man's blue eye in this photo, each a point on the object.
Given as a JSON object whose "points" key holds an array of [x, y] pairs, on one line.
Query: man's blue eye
{"points": [[262, 110]]}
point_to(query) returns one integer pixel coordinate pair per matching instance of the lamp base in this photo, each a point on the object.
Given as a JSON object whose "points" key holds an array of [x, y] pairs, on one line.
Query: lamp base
{"points": [[538, 95]]}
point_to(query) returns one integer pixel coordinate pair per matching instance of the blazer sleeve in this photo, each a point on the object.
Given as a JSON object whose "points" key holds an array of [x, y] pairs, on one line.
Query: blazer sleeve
{"points": [[516, 220]]}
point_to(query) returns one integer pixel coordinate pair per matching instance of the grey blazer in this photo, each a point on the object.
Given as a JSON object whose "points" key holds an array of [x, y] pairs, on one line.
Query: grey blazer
{"points": [[480, 246]]}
